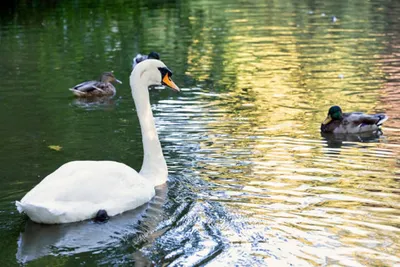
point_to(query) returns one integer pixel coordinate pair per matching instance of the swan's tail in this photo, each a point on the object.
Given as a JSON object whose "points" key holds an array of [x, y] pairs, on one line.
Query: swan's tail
{"points": [[39, 214], [20, 207]]}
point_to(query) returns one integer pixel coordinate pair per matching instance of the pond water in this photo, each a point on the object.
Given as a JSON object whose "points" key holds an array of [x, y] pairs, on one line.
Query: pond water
{"points": [[252, 182]]}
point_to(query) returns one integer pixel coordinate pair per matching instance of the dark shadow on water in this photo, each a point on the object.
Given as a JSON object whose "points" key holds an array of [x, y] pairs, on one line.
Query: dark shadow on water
{"points": [[338, 140], [91, 103], [39, 240]]}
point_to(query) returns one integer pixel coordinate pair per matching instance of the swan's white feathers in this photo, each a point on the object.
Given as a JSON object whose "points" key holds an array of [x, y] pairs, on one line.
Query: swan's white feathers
{"points": [[107, 185]]}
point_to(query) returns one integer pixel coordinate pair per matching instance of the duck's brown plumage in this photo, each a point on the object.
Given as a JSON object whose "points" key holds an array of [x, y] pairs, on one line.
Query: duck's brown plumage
{"points": [[102, 87], [352, 122]]}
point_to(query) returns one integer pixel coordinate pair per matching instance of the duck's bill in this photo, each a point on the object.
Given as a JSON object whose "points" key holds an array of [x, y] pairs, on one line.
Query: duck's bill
{"points": [[327, 120], [170, 83], [118, 81]]}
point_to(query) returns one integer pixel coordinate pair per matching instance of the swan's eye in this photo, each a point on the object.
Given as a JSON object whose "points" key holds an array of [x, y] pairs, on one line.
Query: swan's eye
{"points": [[165, 71]]}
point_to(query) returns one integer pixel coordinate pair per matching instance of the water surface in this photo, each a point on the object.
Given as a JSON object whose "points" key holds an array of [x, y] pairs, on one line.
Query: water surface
{"points": [[252, 181]]}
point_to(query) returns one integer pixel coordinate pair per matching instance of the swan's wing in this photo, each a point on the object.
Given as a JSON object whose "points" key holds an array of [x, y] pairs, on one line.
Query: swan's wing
{"points": [[78, 189]]}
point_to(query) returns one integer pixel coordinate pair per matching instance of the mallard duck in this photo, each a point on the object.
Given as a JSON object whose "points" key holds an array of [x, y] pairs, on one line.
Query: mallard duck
{"points": [[353, 122], [139, 58], [80, 190], [102, 87]]}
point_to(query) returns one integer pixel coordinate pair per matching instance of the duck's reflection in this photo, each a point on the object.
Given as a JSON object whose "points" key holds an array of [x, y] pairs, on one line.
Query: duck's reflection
{"points": [[95, 102], [40, 240], [336, 140]]}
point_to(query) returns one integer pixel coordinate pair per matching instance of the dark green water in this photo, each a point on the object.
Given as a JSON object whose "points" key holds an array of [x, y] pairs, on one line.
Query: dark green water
{"points": [[252, 181]]}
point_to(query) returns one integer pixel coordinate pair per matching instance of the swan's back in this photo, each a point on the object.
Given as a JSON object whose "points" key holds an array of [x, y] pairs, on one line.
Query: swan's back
{"points": [[78, 189]]}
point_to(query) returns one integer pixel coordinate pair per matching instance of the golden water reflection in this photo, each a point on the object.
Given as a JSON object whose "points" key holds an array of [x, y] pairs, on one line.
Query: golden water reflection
{"points": [[305, 198]]}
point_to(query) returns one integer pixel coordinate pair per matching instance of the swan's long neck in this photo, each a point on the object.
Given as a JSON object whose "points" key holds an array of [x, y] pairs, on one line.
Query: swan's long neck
{"points": [[154, 166]]}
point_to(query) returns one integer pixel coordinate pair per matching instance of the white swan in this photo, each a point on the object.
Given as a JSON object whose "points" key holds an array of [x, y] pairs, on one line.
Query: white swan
{"points": [[79, 189]]}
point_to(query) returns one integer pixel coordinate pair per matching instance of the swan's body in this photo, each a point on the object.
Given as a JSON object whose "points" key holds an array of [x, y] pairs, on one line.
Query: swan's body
{"points": [[352, 122], [102, 87], [79, 189], [139, 58]]}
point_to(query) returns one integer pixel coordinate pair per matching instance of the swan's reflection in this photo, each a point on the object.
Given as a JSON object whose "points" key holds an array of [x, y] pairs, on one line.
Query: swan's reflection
{"points": [[336, 140], [40, 240]]}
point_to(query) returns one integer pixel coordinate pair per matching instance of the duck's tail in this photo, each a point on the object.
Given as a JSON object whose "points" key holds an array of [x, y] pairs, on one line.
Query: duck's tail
{"points": [[382, 119], [77, 92], [138, 58]]}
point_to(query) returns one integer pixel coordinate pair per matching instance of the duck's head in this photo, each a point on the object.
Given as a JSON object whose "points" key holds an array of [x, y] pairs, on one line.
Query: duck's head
{"points": [[108, 77], [153, 55], [334, 113], [152, 72]]}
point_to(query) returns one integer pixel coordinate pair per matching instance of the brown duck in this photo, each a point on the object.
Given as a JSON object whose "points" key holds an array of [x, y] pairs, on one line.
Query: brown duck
{"points": [[102, 87]]}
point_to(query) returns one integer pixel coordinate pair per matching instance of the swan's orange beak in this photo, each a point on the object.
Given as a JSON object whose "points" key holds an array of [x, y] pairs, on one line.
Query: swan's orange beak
{"points": [[170, 83]]}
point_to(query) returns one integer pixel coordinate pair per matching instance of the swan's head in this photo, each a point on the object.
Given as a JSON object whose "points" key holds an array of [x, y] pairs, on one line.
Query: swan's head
{"points": [[152, 72]]}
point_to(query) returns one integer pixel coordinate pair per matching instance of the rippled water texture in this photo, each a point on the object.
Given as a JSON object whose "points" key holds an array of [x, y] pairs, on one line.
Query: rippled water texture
{"points": [[252, 181]]}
